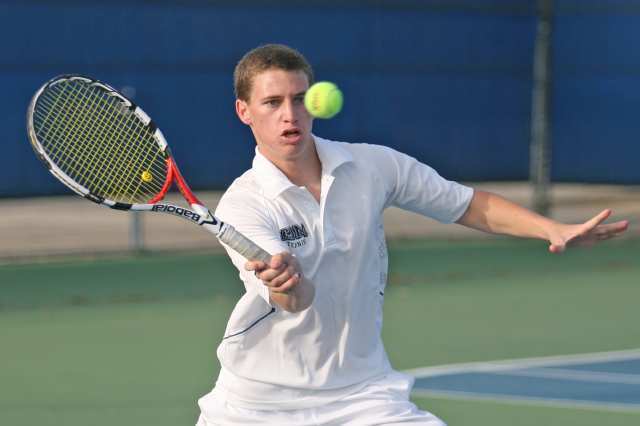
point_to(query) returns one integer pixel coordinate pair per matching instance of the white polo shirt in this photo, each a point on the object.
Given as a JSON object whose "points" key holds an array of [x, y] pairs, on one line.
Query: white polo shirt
{"points": [[273, 359]]}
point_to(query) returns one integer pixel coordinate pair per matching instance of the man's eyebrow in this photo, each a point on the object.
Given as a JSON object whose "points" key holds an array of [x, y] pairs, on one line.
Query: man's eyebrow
{"points": [[278, 97], [271, 97]]}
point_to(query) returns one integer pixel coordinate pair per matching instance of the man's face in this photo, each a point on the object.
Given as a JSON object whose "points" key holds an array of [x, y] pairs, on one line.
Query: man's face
{"points": [[276, 114]]}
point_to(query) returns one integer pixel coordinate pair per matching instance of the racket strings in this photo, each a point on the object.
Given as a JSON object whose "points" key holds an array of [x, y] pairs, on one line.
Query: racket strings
{"points": [[75, 157], [70, 164], [134, 182], [54, 132], [70, 159], [69, 130], [66, 129], [97, 141], [122, 159]]}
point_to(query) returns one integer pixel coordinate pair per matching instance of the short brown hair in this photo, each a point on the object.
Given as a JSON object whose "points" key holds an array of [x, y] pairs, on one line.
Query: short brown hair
{"points": [[263, 58]]}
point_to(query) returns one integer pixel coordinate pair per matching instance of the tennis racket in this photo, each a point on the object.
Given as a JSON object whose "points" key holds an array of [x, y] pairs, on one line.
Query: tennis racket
{"points": [[106, 149]]}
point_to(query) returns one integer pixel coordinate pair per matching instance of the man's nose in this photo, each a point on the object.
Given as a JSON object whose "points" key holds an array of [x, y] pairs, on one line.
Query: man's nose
{"points": [[289, 111]]}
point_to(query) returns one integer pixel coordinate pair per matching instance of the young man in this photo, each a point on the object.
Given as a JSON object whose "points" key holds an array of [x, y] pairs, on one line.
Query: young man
{"points": [[303, 344]]}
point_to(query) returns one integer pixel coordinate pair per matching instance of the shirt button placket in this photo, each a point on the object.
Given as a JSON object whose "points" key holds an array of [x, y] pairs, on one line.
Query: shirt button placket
{"points": [[327, 229]]}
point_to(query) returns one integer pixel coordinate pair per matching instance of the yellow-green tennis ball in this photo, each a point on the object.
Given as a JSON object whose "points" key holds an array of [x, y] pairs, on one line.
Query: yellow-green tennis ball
{"points": [[323, 100]]}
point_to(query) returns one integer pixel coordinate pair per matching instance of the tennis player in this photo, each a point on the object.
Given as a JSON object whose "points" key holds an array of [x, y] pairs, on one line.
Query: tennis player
{"points": [[303, 344]]}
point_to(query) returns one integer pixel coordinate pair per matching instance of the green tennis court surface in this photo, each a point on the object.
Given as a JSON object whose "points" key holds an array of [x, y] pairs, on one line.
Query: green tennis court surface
{"points": [[80, 344]]}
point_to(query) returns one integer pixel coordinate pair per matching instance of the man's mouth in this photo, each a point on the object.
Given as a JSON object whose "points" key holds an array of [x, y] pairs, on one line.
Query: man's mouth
{"points": [[291, 133]]}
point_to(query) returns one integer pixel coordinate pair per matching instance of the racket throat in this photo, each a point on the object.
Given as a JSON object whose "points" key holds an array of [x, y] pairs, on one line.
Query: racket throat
{"points": [[183, 187]]}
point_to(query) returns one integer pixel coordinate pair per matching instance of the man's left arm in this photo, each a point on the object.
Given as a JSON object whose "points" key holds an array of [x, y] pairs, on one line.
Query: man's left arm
{"points": [[491, 213]]}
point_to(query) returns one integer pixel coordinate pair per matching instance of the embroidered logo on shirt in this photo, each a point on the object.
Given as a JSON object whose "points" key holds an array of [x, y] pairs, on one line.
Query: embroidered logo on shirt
{"points": [[294, 235]]}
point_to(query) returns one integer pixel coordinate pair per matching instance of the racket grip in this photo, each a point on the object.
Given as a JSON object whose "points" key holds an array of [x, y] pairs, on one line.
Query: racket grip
{"points": [[243, 245]]}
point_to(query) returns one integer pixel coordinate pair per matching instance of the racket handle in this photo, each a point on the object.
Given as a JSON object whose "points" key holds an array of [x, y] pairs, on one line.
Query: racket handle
{"points": [[242, 244]]}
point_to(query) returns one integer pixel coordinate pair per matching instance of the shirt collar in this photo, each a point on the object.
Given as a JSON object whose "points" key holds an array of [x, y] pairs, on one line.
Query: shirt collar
{"points": [[332, 155], [274, 182]]}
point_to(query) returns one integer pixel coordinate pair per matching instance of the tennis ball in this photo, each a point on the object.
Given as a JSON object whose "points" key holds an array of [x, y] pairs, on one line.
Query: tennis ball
{"points": [[147, 176], [323, 100]]}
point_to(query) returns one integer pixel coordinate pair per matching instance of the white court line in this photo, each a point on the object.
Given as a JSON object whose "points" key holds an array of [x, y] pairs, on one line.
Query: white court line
{"points": [[521, 400], [583, 376], [522, 363]]}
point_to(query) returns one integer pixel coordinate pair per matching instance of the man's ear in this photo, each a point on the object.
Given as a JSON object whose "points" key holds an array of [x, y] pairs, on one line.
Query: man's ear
{"points": [[242, 109]]}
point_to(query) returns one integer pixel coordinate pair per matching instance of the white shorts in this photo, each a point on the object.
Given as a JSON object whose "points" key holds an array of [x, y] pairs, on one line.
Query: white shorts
{"points": [[382, 402]]}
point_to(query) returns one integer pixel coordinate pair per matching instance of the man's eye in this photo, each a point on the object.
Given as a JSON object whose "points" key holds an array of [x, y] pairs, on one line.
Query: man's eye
{"points": [[299, 99], [272, 102]]}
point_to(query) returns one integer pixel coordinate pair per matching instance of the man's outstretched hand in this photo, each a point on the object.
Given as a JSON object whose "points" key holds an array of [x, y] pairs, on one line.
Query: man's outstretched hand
{"points": [[585, 234]]}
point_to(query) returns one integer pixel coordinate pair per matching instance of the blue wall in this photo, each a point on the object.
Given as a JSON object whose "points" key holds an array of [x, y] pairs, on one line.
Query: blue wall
{"points": [[597, 91], [448, 82]]}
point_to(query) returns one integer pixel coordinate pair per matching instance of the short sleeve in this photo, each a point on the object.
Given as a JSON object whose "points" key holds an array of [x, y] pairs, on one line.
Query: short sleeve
{"points": [[414, 186], [248, 215]]}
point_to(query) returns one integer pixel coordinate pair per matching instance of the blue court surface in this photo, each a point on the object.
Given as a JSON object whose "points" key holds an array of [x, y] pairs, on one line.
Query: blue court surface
{"points": [[603, 381]]}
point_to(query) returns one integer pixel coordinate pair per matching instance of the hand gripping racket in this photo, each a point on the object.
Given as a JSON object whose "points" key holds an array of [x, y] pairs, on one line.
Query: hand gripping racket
{"points": [[106, 149]]}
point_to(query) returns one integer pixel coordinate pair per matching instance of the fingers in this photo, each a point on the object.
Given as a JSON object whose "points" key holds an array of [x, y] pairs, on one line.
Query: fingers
{"points": [[583, 234], [588, 233], [276, 276], [593, 229], [255, 265], [615, 228], [281, 274], [289, 284], [598, 219], [279, 260], [281, 280], [604, 232]]}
